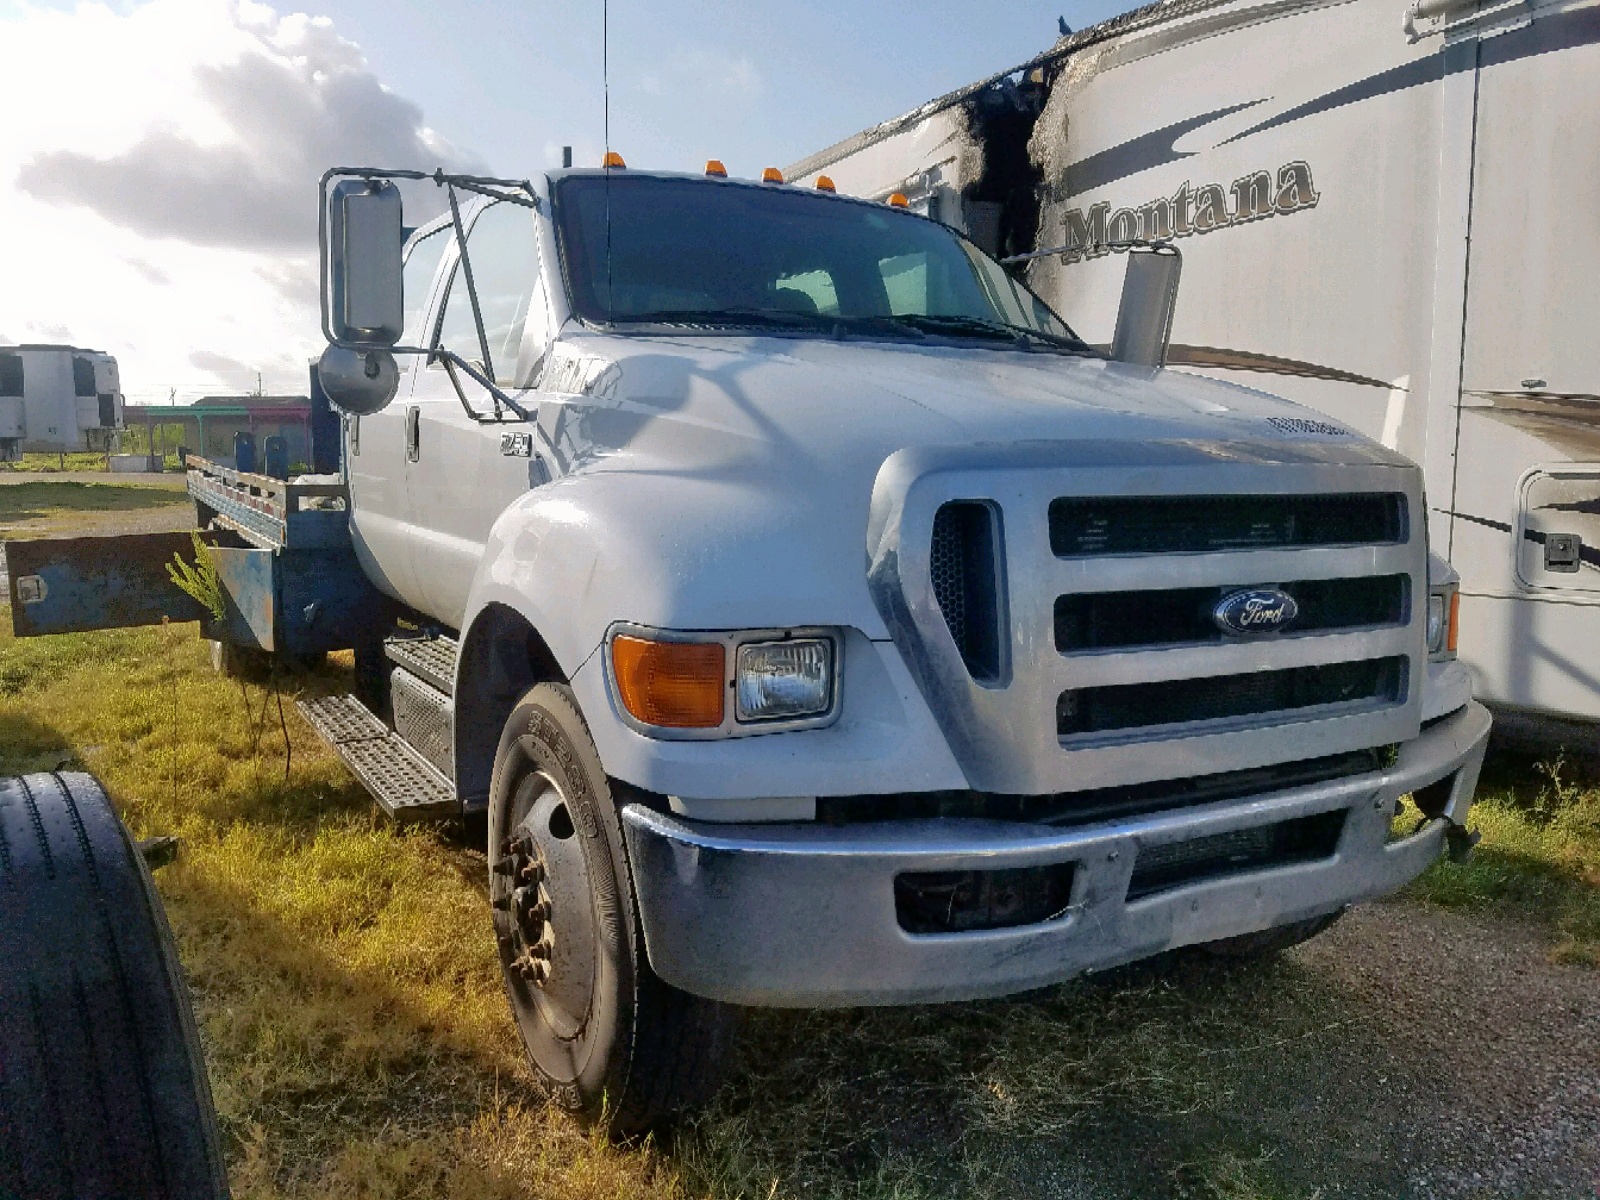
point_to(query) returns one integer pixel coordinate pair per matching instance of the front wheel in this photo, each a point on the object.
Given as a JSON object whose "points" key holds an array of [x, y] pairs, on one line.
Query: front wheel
{"points": [[607, 1039]]}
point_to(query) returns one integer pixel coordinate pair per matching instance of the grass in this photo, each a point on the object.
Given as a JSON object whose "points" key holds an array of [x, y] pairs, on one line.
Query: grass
{"points": [[38, 509], [1540, 855], [75, 460], [360, 1047]]}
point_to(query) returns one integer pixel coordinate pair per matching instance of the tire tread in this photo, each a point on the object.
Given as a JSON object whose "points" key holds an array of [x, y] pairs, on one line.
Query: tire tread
{"points": [[102, 1085]]}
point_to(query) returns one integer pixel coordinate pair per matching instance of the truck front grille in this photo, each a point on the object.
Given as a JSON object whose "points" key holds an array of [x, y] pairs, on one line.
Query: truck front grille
{"points": [[1161, 868], [1227, 697], [1056, 604], [1125, 620], [1083, 526], [965, 568]]}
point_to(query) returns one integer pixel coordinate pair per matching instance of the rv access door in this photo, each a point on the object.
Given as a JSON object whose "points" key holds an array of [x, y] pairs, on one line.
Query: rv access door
{"points": [[1530, 387]]}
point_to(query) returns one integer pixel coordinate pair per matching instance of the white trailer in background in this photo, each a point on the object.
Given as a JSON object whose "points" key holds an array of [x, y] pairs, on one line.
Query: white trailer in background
{"points": [[57, 399], [1389, 213]]}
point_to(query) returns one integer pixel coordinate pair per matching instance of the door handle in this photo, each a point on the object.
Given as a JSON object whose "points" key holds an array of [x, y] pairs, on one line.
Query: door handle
{"points": [[413, 433]]}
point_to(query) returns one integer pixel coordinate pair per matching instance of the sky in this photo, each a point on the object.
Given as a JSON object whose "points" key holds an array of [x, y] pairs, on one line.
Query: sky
{"points": [[159, 159]]}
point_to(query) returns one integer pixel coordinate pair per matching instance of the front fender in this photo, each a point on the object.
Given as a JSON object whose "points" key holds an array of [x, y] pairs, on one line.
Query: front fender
{"points": [[672, 552]]}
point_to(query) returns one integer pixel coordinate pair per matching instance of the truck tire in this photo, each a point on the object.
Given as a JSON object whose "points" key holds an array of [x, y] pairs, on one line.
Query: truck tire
{"points": [[607, 1039], [1268, 942], [103, 1087]]}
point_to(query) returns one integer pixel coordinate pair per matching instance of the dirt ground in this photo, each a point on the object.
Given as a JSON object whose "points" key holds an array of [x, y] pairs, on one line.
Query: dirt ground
{"points": [[1418, 1053]]}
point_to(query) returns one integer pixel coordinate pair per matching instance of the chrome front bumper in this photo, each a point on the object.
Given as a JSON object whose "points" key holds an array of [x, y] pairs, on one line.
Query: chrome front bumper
{"points": [[804, 915]]}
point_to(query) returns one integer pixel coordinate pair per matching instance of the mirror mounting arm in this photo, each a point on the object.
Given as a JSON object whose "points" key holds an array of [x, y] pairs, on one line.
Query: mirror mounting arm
{"points": [[472, 291], [453, 362]]}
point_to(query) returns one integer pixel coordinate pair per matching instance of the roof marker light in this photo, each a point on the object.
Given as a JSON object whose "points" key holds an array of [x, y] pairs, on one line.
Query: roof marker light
{"points": [[612, 159], [714, 167], [772, 175], [898, 200], [824, 184]]}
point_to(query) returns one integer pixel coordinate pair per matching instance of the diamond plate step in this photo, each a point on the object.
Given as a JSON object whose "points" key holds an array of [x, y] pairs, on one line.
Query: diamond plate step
{"points": [[405, 785], [432, 659]]}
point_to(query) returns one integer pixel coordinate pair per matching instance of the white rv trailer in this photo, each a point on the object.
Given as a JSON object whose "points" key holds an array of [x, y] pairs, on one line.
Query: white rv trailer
{"points": [[1387, 212], [57, 399]]}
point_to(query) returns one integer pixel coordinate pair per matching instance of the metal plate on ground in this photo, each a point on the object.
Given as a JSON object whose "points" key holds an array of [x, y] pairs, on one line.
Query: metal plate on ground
{"points": [[432, 659]]}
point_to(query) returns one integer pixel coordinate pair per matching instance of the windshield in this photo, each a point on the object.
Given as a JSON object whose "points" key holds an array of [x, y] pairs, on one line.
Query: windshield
{"points": [[713, 254]]}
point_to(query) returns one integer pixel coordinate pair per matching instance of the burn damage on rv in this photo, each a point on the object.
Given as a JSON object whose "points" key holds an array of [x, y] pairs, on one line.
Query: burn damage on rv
{"points": [[1001, 206]]}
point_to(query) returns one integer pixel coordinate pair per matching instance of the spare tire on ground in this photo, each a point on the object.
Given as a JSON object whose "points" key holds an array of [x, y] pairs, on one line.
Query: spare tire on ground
{"points": [[102, 1083]]}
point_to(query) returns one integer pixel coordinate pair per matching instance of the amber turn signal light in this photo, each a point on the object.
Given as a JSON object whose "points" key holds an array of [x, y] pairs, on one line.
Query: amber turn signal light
{"points": [[1455, 622], [673, 685]]}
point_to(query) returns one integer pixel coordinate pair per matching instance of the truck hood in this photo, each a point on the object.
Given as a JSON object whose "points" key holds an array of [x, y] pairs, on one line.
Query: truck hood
{"points": [[723, 401], [706, 460]]}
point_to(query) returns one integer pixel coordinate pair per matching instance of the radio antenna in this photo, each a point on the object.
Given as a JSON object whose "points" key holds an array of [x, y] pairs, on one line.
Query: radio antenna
{"points": [[605, 87], [605, 67]]}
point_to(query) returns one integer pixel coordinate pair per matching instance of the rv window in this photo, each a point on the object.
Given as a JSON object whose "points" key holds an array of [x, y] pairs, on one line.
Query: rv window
{"points": [[82, 377], [10, 374], [505, 269], [421, 264]]}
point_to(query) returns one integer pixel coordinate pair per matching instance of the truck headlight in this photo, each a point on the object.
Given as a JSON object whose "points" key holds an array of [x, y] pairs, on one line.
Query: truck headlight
{"points": [[1444, 616], [779, 680], [699, 684]]}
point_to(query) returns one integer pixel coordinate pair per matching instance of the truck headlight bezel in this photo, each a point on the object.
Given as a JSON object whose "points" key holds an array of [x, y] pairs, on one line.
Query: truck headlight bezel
{"points": [[748, 656], [1442, 625]]}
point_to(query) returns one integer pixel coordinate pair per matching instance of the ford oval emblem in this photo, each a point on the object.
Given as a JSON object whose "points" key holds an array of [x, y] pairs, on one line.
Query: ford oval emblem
{"points": [[1255, 611]]}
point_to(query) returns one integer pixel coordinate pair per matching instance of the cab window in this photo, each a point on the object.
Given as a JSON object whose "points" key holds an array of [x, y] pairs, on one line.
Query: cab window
{"points": [[505, 269], [421, 265]]}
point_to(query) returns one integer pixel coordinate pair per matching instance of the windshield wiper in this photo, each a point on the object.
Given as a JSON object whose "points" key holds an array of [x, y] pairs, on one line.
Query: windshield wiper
{"points": [[777, 317], [982, 327]]}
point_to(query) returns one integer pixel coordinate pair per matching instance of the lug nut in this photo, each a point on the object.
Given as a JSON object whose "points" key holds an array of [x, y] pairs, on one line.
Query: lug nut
{"points": [[506, 866], [500, 903]]}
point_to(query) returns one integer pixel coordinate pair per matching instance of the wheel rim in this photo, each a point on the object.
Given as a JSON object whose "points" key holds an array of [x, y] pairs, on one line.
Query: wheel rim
{"points": [[544, 910]]}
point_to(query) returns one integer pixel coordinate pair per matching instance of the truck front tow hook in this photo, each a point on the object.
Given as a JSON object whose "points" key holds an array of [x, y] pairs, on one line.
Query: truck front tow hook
{"points": [[1459, 841]]}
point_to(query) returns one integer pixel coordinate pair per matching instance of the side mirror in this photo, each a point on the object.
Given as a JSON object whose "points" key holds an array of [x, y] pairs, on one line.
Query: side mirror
{"points": [[359, 382], [363, 263], [1149, 296]]}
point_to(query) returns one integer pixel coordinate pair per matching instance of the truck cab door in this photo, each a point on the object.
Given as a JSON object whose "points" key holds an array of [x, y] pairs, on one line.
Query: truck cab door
{"points": [[375, 445], [462, 470]]}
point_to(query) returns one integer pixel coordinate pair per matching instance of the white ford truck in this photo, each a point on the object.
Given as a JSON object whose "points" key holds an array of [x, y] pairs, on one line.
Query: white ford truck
{"points": [[817, 621]]}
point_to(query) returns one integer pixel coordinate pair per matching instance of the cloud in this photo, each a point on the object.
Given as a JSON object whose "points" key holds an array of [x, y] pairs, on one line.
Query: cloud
{"points": [[276, 372], [49, 333], [162, 207], [149, 272], [221, 365], [294, 99]]}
